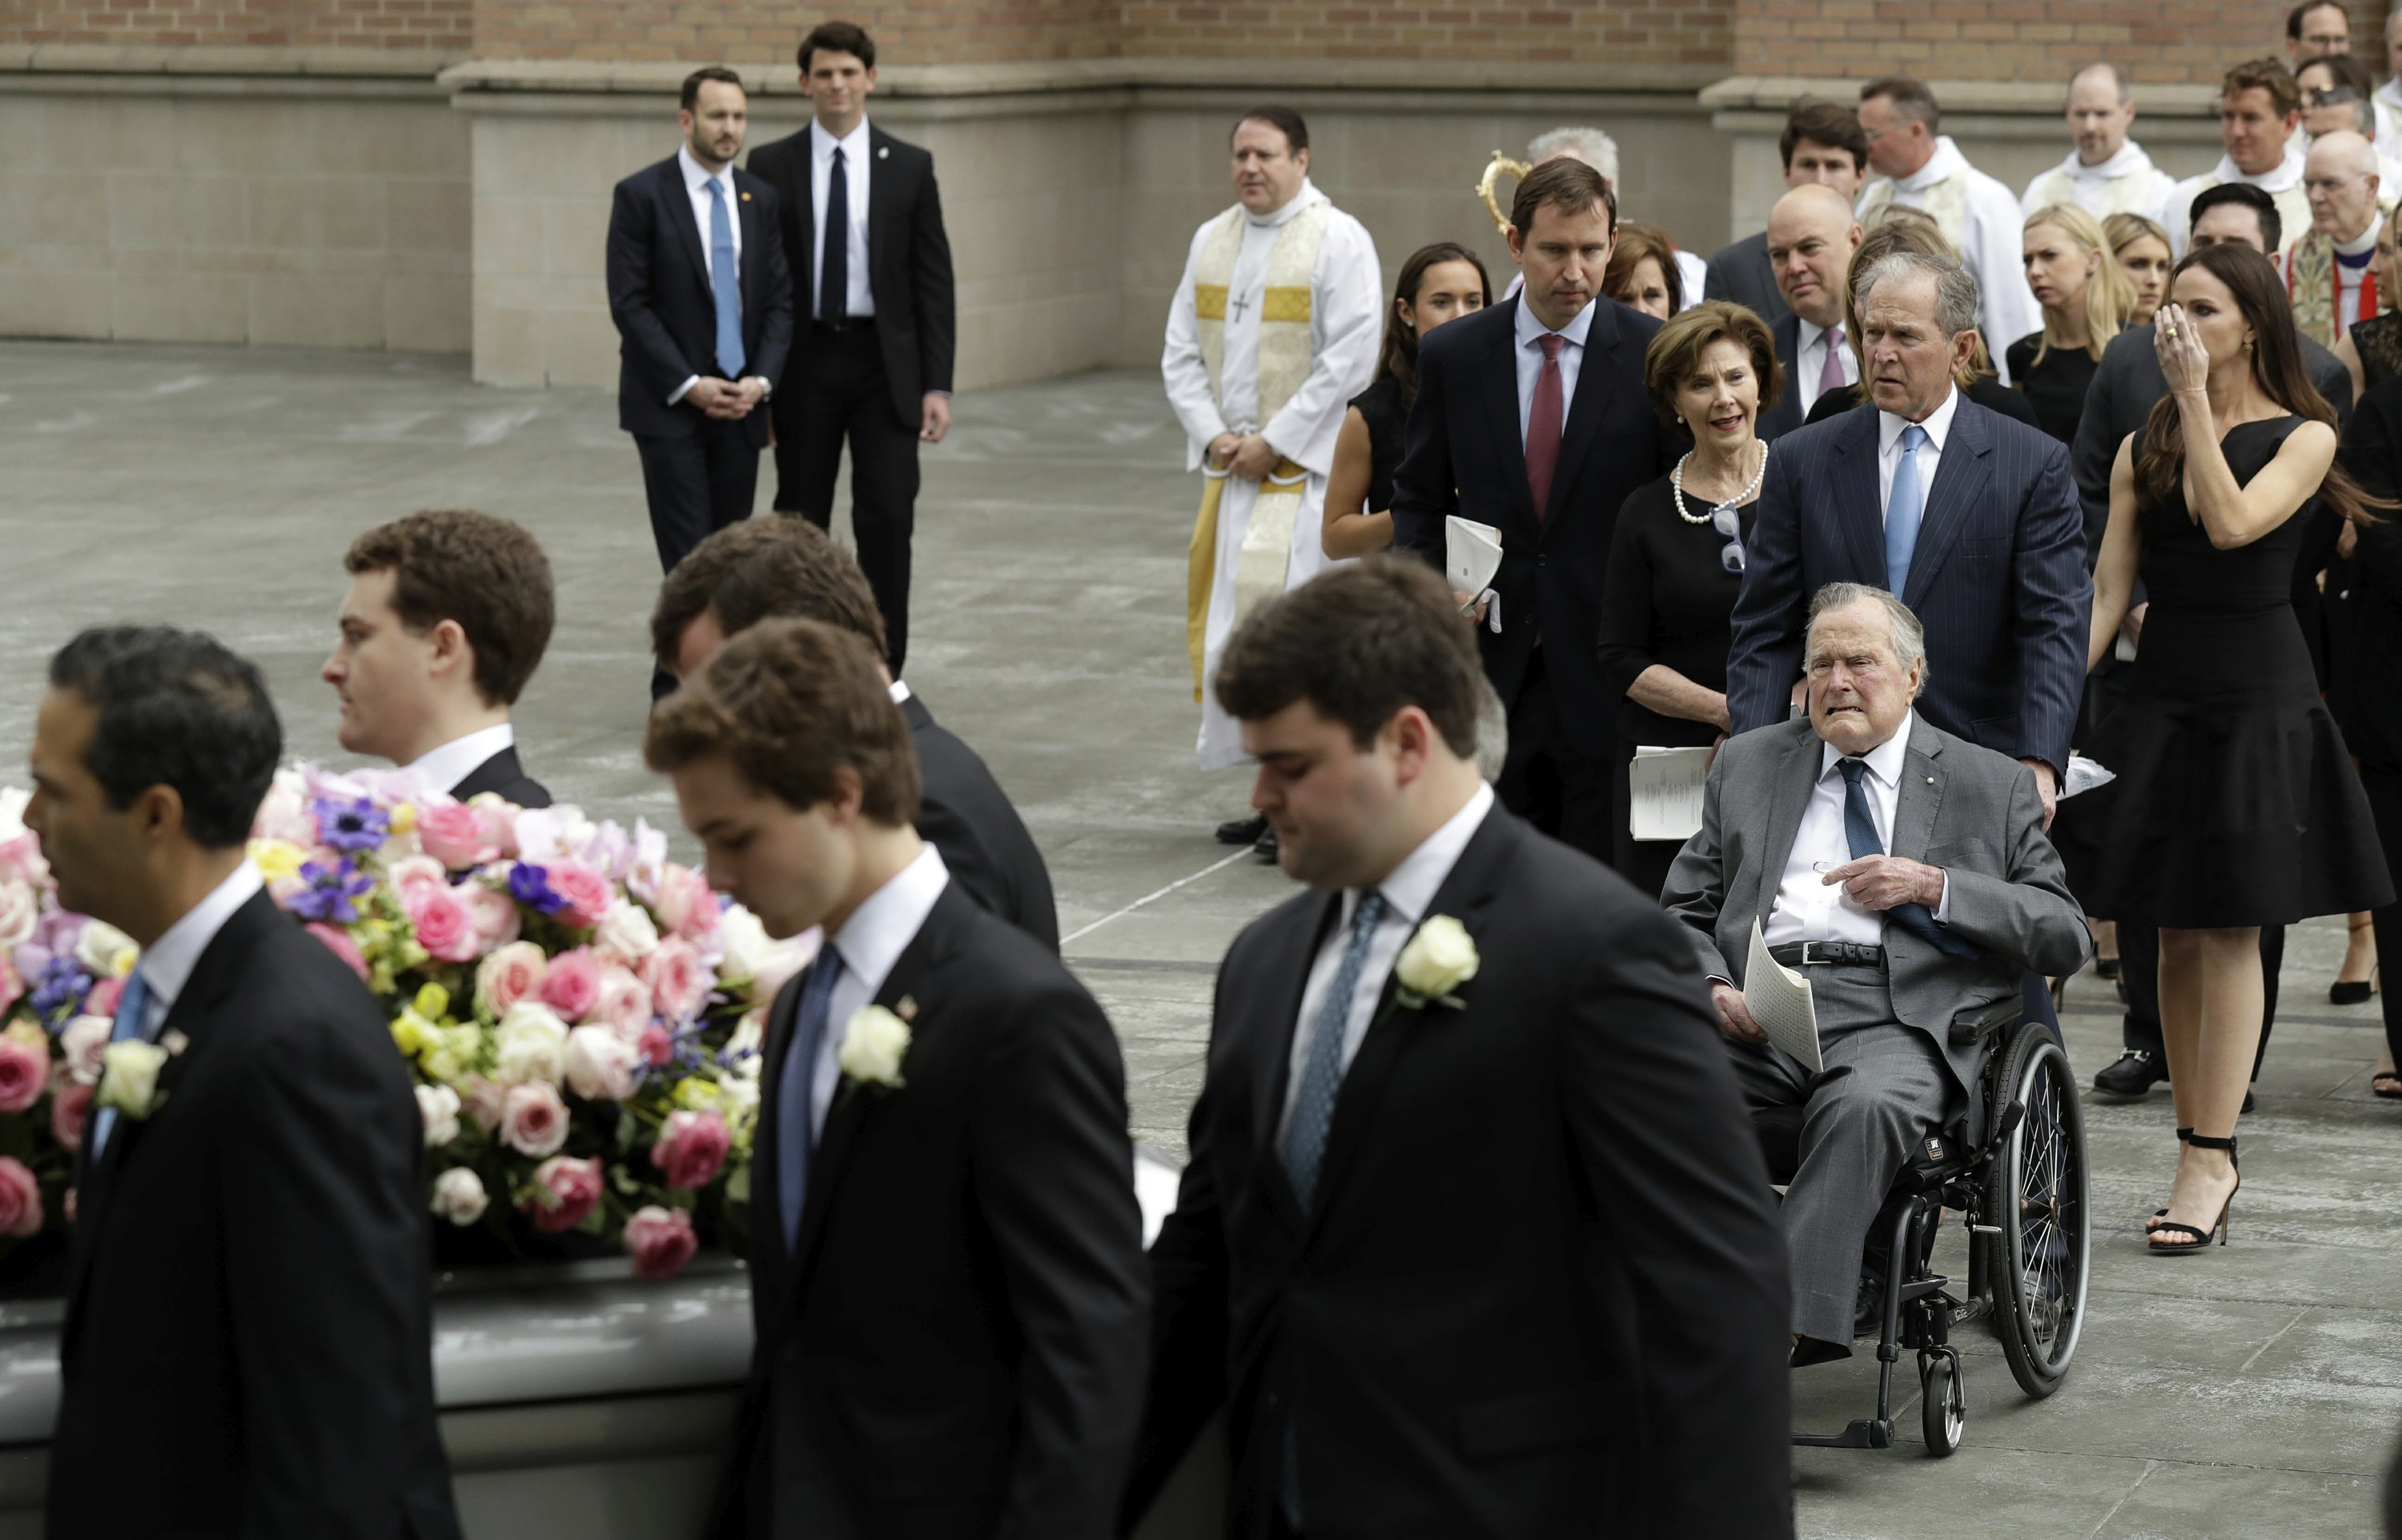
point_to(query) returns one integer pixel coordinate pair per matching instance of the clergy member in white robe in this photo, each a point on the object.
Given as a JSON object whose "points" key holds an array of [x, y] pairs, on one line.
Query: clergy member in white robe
{"points": [[2107, 173], [1980, 218], [1274, 329], [2282, 182]]}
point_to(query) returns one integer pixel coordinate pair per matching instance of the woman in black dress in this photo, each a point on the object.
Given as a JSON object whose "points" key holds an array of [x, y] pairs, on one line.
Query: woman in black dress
{"points": [[2366, 699], [2373, 349], [1438, 283], [1908, 230], [2085, 300], [1676, 558], [2236, 805]]}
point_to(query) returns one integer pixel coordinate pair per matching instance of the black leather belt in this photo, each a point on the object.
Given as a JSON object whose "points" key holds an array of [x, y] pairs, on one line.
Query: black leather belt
{"points": [[848, 324], [1825, 954]]}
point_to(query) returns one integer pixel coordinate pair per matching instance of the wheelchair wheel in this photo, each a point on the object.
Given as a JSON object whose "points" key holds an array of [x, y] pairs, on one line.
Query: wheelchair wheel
{"points": [[2035, 1196], [1942, 1407]]}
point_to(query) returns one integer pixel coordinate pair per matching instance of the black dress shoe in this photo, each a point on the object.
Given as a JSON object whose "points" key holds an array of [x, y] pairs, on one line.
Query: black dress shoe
{"points": [[1266, 847], [1868, 1310], [1243, 831], [2135, 1075]]}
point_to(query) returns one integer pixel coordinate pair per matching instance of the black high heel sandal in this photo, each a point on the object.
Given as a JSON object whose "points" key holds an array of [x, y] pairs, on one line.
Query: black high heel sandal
{"points": [[2183, 1134], [2218, 1227]]}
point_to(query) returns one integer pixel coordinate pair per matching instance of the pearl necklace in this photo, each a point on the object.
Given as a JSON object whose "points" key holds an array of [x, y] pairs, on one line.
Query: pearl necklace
{"points": [[1676, 481]]}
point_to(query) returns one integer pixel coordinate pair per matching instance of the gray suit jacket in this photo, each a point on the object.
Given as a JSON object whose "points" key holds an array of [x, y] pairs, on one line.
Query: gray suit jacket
{"points": [[1741, 272], [1965, 809]]}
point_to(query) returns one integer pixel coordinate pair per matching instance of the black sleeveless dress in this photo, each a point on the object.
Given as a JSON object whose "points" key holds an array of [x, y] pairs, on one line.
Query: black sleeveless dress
{"points": [[1388, 417], [2235, 803]]}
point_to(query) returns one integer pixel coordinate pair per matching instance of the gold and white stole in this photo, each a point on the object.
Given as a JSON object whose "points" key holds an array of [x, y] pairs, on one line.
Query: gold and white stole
{"points": [[1946, 202]]}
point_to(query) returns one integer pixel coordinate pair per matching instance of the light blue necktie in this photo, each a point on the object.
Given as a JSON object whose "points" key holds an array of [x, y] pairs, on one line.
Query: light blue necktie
{"points": [[794, 1137], [1313, 1104], [132, 1007], [1904, 509], [725, 284]]}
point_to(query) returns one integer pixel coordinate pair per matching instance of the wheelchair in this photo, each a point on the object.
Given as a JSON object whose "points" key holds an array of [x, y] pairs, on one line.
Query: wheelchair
{"points": [[2021, 1194]]}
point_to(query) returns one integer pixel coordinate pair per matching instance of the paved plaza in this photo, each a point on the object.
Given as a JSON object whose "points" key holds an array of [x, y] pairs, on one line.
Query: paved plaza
{"points": [[2253, 1392]]}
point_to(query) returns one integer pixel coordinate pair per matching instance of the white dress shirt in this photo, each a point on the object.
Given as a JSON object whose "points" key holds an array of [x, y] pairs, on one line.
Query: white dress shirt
{"points": [[455, 760], [698, 179], [1808, 907], [1930, 455], [1530, 361], [1407, 892], [1810, 361], [167, 963], [858, 298], [869, 943]]}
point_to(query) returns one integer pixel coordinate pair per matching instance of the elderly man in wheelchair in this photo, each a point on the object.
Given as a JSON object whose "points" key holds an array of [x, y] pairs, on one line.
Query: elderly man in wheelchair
{"points": [[1904, 873]]}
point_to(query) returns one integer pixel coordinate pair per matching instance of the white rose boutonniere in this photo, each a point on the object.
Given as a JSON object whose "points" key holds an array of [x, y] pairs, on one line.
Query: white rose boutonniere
{"points": [[1440, 957], [874, 1043], [129, 1078]]}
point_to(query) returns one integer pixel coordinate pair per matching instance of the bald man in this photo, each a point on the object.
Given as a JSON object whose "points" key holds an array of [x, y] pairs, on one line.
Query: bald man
{"points": [[2328, 272], [1811, 238], [2107, 173]]}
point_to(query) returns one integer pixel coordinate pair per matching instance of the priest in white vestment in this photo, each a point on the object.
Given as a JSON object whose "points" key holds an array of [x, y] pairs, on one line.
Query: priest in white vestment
{"points": [[1918, 168], [2259, 118], [2107, 173], [1275, 328]]}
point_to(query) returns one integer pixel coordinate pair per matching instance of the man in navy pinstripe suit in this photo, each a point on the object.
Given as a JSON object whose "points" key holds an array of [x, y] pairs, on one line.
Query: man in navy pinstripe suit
{"points": [[1971, 519]]}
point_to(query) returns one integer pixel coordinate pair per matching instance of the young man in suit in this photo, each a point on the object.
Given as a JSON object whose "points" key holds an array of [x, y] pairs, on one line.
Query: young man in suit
{"points": [[703, 303], [947, 1269], [781, 566], [1811, 238], [249, 1309], [876, 320], [1476, 1242], [1532, 417], [446, 618], [1822, 146]]}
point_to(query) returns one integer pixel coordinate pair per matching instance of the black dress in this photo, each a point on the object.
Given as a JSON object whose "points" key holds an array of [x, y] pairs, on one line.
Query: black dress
{"points": [[2055, 387], [2235, 802], [2378, 342], [1668, 599], [1987, 391], [1386, 413]]}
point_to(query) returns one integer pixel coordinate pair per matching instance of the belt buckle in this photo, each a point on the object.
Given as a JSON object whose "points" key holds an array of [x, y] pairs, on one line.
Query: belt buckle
{"points": [[1809, 961]]}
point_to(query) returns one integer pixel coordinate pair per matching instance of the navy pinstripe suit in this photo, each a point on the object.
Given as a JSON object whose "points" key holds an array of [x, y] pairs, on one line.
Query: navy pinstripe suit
{"points": [[1997, 577]]}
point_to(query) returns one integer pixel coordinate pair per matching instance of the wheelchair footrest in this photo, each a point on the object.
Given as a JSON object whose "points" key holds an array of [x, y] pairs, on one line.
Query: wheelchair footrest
{"points": [[1864, 1433]]}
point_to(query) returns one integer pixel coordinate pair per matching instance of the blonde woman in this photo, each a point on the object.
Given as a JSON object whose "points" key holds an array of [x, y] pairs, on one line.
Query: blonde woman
{"points": [[2143, 250], [2086, 300]]}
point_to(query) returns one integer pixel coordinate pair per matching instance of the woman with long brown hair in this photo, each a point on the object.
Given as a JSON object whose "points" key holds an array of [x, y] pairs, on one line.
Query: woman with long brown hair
{"points": [[2235, 806]]}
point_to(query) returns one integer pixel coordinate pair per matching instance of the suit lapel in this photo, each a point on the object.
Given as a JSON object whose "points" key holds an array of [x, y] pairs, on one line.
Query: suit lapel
{"points": [[803, 195], [1501, 408], [746, 209], [1795, 777], [680, 215], [881, 205], [1596, 382], [1960, 479], [766, 1197], [1859, 507], [1281, 985], [1921, 794]]}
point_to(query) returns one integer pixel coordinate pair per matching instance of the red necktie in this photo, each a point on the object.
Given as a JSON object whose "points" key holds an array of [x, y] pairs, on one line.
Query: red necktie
{"points": [[1543, 426]]}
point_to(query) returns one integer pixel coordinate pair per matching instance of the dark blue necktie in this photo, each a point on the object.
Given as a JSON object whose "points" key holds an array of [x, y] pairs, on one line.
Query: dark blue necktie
{"points": [[132, 1007], [725, 284], [834, 288], [794, 1137], [1313, 1100], [1860, 829]]}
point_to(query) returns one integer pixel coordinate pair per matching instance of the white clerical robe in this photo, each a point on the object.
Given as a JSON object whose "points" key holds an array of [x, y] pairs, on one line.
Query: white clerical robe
{"points": [[1346, 331], [2388, 105], [2283, 182], [2127, 183], [1980, 216]]}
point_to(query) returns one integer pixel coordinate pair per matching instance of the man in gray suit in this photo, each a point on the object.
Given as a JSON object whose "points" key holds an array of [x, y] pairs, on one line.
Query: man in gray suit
{"points": [[1906, 870]]}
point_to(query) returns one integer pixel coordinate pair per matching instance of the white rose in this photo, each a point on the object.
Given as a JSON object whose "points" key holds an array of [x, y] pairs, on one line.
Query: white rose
{"points": [[20, 913], [459, 1196], [439, 1105], [128, 1080], [744, 942], [105, 951], [750, 1039], [600, 1064], [872, 1045], [738, 1099], [627, 931], [81, 1045], [548, 834], [1438, 958], [530, 1045]]}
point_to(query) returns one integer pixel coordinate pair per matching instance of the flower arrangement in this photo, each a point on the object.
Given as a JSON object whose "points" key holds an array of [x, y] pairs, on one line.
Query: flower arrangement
{"points": [[583, 1016]]}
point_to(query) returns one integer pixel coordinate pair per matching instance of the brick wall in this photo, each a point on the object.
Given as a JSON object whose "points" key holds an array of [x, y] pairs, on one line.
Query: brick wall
{"points": [[915, 31], [1634, 32], [417, 24]]}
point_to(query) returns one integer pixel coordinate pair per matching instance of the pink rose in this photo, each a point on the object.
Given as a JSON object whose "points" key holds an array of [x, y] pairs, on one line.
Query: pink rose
{"points": [[657, 1045], [692, 1148], [103, 997], [587, 894], [510, 975], [20, 911], [337, 942], [20, 1199], [562, 1193], [455, 836], [22, 861], [12, 985], [483, 1100], [660, 1241], [24, 1075], [600, 1064], [496, 916], [444, 927], [70, 1107], [687, 906], [572, 985], [625, 1001], [411, 873], [679, 983], [533, 1121]]}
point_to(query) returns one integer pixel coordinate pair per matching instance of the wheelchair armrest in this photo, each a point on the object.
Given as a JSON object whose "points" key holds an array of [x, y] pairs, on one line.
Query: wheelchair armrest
{"points": [[1996, 1018]]}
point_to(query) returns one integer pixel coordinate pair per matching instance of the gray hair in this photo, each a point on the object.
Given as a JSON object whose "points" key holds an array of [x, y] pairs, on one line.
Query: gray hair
{"points": [[1955, 289], [1590, 145], [1908, 636]]}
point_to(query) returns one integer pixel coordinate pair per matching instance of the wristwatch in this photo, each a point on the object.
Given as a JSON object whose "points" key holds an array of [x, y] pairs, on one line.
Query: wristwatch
{"points": [[766, 386]]}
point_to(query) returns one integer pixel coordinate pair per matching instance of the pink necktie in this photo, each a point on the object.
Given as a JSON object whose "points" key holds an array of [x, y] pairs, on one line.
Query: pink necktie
{"points": [[1543, 426], [1831, 377]]}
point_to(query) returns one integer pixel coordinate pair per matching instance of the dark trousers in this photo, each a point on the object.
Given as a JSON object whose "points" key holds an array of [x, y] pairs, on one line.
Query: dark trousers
{"points": [[2384, 789], [835, 390], [1560, 792], [2139, 968], [697, 485]]}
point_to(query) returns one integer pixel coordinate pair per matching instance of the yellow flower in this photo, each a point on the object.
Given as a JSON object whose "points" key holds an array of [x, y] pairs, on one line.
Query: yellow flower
{"points": [[28, 1032], [433, 1002], [413, 1033], [402, 817], [695, 1094], [440, 1065], [277, 860]]}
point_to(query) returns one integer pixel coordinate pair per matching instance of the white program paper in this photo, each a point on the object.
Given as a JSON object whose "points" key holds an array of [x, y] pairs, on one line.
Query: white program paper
{"points": [[1472, 554], [2084, 774], [1779, 1000], [1665, 793]]}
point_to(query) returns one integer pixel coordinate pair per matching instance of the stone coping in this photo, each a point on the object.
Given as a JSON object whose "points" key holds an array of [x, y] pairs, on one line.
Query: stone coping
{"points": [[1963, 98], [129, 58]]}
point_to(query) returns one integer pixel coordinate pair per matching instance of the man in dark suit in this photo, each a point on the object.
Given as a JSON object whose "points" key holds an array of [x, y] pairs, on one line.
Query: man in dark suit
{"points": [[249, 1310], [446, 618], [787, 568], [703, 303], [2368, 695], [1822, 146], [1475, 1243], [1531, 417], [946, 1274], [877, 324], [1811, 238]]}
